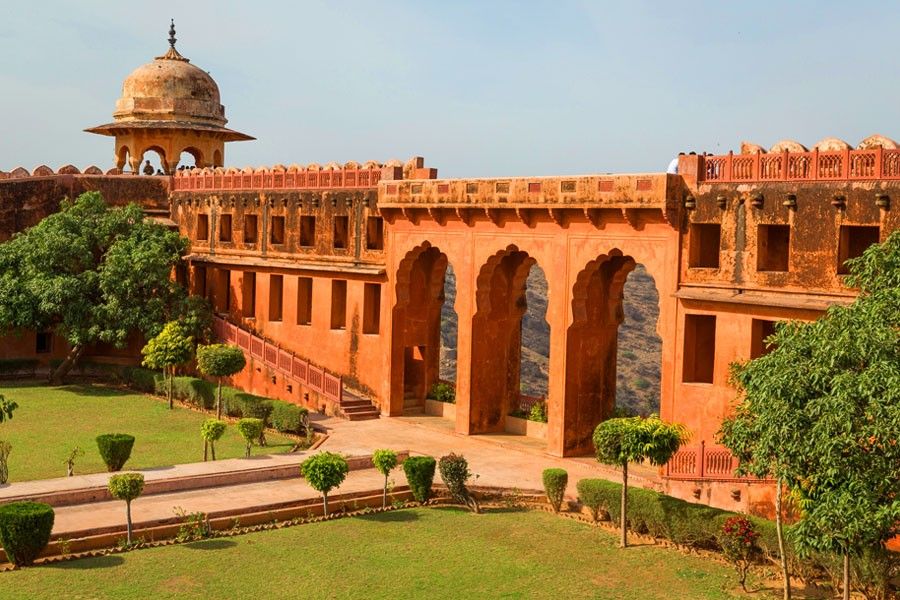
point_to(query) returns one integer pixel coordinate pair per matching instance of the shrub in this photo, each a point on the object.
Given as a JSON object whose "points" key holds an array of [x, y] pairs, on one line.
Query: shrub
{"points": [[18, 367], [323, 472], [555, 481], [250, 429], [419, 472], [211, 431], [737, 539], [193, 390], [596, 494], [25, 530], [236, 403], [538, 412], [127, 487], [455, 473], [287, 417], [443, 392], [143, 380], [115, 449], [384, 461]]}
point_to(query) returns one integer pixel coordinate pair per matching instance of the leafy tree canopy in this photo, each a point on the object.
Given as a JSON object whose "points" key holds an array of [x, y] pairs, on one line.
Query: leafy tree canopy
{"points": [[92, 274], [821, 410], [220, 360], [171, 347], [635, 439]]}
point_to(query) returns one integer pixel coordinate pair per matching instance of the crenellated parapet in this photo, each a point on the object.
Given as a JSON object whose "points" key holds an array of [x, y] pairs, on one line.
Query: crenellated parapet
{"points": [[45, 171]]}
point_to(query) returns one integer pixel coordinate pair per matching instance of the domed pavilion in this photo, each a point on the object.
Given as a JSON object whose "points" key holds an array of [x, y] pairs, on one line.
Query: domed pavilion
{"points": [[169, 106]]}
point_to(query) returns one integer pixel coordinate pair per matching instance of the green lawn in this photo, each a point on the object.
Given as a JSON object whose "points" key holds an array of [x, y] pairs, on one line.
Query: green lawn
{"points": [[418, 553], [52, 420]]}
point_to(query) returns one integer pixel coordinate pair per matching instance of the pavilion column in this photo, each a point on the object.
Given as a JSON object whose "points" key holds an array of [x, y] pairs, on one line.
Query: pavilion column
{"points": [[558, 301]]}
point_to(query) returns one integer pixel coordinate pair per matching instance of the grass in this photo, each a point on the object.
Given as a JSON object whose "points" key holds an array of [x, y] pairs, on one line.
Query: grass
{"points": [[50, 421], [417, 553]]}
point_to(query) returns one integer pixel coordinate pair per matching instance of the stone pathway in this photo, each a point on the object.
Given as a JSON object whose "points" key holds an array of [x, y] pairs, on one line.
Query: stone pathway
{"points": [[497, 460]]}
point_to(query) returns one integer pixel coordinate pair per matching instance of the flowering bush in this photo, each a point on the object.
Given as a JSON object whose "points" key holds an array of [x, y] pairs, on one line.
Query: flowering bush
{"points": [[737, 540]]}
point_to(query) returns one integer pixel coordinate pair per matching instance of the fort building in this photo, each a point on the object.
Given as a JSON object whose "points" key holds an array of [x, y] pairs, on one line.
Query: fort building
{"points": [[332, 277]]}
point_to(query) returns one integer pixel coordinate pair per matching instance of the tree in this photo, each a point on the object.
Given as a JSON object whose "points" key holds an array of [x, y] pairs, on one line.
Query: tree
{"points": [[636, 439], [323, 472], [220, 360], [92, 274], [7, 407], [169, 349], [384, 461], [454, 469], [829, 393], [127, 487], [251, 430], [211, 431]]}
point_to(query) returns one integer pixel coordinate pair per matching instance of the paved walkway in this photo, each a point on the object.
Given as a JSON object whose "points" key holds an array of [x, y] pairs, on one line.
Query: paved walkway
{"points": [[497, 460]]}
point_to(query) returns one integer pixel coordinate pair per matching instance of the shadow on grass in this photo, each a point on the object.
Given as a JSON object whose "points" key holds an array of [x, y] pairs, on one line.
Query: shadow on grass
{"points": [[218, 544], [84, 564], [95, 391], [394, 516]]}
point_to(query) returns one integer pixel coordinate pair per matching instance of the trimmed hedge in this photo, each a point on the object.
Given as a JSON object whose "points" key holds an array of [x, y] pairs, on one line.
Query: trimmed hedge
{"points": [[25, 530], [555, 482], [287, 417], [238, 404], [591, 494], [141, 379], [192, 390], [115, 449], [12, 367], [420, 475]]}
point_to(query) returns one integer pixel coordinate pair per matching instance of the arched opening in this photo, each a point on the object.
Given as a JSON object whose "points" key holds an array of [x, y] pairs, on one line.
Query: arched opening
{"points": [[639, 355], [497, 339], [418, 325], [534, 371], [449, 328], [217, 158], [190, 158], [152, 162], [591, 348]]}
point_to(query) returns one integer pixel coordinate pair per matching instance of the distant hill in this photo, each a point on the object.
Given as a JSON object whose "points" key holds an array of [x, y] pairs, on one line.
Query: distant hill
{"points": [[640, 348]]}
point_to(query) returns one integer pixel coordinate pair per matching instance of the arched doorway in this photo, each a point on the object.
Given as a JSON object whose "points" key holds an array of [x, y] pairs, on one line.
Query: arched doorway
{"points": [[122, 157], [190, 158], [501, 303], [591, 348], [639, 347], [156, 157], [418, 326]]}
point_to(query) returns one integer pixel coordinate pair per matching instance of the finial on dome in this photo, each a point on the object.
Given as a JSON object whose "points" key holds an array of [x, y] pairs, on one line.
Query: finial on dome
{"points": [[172, 53]]}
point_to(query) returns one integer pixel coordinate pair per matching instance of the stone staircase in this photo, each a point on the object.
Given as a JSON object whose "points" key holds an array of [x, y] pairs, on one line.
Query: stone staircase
{"points": [[356, 407]]}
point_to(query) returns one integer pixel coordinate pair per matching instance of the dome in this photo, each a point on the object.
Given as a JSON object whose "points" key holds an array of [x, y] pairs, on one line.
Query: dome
{"points": [[170, 88]]}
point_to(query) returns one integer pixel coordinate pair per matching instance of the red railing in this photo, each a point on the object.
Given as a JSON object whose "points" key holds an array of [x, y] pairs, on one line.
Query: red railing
{"points": [[315, 378], [840, 165], [277, 179], [704, 462]]}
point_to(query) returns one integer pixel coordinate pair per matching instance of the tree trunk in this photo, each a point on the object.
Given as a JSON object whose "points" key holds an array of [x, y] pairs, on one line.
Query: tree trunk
{"points": [[171, 383], [128, 519], [325, 503], [624, 506], [205, 449], [212, 449], [248, 450], [57, 376], [779, 533], [846, 595], [384, 494], [219, 401]]}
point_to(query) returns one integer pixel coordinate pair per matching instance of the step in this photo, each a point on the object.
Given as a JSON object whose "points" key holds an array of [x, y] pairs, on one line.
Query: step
{"points": [[355, 403], [355, 410], [363, 416]]}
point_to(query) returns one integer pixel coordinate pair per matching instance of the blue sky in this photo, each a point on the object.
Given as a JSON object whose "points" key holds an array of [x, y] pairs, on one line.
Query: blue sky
{"points": [[478, 88]]}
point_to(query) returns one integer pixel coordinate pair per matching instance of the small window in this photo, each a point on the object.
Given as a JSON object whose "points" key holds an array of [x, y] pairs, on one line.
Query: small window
{"points": [[761, 329], [307, 232], [225, 228], [304, 300], [372, 308], [773, 247], [338, 303], [341, 232], [699, 348], [276, 236], [854, 241], [704, 245], [251, 229], [43, 342], [375, 233], [276, 296], [200, 281], [203, 227], [248, 295], [222, 293]]}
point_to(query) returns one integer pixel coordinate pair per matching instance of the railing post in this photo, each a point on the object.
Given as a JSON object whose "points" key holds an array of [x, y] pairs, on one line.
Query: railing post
{"points": [[701, 459], [879, 161], [756, 160], [845, 166], [815, 165]]}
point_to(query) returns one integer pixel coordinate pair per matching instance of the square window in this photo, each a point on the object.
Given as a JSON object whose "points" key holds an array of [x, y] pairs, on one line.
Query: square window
{"points": [[375, 233], [224, 228], [203, 227], [372, 308], [276, 235], [248, 295], [761, 329], [773, 247], [705, 240], [338, 303], [43, 343], [251, 229], [304, 300], [341, 232], [699, 348], [276, 296], [308, 232], [854, 240]]}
